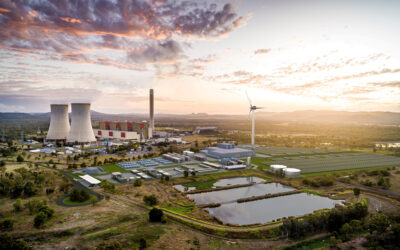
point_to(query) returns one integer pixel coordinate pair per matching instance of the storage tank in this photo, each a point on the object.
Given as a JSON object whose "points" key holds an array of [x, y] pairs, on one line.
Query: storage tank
{"points": [[59, 123], [81, 125], [292, 172], [275, 168]]}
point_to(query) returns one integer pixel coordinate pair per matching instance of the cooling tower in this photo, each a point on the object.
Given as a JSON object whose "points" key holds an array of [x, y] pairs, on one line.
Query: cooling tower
{"points": [[151, 123], [59, 123], [81, 125]]}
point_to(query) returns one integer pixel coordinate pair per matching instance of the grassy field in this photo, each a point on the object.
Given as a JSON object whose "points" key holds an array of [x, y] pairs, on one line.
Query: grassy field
{"points": [[200, 184], [68, 200], [109, 168], [337, 162]]}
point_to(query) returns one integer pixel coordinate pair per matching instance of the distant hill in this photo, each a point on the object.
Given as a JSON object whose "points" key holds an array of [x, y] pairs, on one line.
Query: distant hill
{"points": [[307, 116]]}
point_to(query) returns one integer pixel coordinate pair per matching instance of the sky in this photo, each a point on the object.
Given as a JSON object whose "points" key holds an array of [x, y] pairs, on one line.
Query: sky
{"points": [[200, 56]]}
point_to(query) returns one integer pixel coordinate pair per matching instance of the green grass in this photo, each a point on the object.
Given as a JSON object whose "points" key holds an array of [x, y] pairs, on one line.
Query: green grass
{"points": [[311, 244], [260, 162], [344, 171], [109, 168], [150, 232], [180, 208], [72, 175], [68, 201], [200, 184], [346, 192]]}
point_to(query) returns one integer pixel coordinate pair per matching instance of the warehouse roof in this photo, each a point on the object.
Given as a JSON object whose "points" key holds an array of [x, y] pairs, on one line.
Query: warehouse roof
{"points": [[90, 179]]}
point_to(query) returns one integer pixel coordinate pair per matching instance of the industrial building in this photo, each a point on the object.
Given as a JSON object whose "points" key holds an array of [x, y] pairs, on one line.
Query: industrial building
{"points": [[81, 125], [227, 150], [59, 122], [275, 168], [292, 172], [126, 130]]}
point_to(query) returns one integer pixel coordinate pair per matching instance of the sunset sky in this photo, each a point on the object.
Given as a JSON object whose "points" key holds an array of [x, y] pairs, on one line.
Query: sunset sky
{"points": [[200, 56]]}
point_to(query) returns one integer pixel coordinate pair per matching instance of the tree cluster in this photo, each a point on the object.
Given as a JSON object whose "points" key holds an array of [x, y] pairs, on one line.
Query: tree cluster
{"points": [[21, 182], [323, 181], [79, 196], [330, 221]]}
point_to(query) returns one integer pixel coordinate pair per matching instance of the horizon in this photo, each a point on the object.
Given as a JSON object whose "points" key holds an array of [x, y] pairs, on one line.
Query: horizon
{"points": [[201, 57]]}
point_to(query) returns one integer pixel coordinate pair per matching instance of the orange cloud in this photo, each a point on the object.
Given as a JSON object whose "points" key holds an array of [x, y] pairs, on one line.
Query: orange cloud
{"points": [[4, 10], [70, 20]]}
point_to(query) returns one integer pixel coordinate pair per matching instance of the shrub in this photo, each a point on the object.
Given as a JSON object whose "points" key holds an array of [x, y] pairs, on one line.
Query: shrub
{"points": [[6, 224], [39, 220], [155, 215], [138, 182], [150, 200], [20, 158], [18, 205], [356, 191]]}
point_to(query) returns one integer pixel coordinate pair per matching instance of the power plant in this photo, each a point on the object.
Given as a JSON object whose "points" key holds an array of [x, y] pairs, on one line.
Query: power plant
{"points": [[59, 123], [152, 110], [81, 125]]}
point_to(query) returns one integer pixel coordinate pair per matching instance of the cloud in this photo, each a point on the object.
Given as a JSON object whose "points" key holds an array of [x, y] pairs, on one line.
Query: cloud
{"points": [[160, 51], [262, 51], [145, 31]]}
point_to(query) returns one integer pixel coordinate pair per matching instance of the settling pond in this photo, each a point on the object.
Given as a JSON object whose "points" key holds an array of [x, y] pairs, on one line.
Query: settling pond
{"points": [[259, 211], [225, 182]]}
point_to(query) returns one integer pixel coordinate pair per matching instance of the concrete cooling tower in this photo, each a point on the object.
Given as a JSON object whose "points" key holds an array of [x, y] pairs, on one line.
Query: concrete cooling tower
{"points": [[59, 123], [81, 125]]}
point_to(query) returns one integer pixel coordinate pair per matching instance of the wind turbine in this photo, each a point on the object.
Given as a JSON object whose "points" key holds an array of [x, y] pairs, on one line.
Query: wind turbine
{"points": [[253, 108]]}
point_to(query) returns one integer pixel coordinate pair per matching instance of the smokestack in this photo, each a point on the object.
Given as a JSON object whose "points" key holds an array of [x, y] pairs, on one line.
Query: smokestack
{"points": [[152, 109], [59, 123], [81, 124]]}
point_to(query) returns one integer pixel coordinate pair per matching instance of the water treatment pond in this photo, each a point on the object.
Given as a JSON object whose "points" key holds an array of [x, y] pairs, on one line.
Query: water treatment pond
{"points": [[266, 210], [230, 195], [224, 182]]}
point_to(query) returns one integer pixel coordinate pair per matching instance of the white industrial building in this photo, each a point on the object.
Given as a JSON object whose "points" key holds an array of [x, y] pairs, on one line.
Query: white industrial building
{"points": [[292, 172], [91, 182], [81, 125], [276, 168], [59, 122]]}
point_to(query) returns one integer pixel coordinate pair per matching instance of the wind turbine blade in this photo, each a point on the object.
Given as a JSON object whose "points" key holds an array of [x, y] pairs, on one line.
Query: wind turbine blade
{"points": [[248, 98]]}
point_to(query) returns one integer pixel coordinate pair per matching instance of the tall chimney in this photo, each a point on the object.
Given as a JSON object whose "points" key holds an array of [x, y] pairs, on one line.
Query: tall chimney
{"points": [[152, 109]]}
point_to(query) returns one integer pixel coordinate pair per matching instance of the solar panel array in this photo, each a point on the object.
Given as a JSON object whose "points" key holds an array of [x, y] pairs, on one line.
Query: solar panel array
{"points": [[128, 165], [320, 163], [162, 161], [147, 163], [279, 151]]}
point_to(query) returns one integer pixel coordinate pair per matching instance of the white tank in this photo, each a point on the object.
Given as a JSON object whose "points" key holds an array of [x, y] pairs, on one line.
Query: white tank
{"points": [[275, 168], [59, 123], [292, 172], [81, 125]]}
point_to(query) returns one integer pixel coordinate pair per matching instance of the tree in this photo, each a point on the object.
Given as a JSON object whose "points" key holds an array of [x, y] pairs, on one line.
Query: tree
{"points": [[186, 173], [79, 196], [138, 182], [356, 191], [150, 200], [193, 173], [155, 215], [20, 158], [2, 163], [39, 220], [378, 223], [29, 189]]}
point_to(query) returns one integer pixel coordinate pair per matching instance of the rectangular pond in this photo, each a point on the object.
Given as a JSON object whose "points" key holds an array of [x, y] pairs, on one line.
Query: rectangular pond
{"points": [[266, 210], [229, 195], [225, 182]]}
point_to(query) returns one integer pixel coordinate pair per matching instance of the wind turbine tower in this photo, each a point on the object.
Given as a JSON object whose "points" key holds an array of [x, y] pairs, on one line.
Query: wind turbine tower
{"points": [[253, 109]]}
